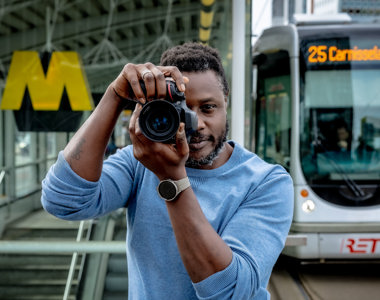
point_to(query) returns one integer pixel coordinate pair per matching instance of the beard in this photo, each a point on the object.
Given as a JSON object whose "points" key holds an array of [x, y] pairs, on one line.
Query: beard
{"points": [[209, 159]]}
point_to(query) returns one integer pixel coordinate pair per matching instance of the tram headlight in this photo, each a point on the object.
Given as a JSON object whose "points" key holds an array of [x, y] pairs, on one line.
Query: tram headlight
{"points": [[308, 206]]}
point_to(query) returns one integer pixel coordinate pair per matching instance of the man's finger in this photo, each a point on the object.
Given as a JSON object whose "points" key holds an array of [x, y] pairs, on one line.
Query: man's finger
{"points": [[181, 142], [134, 118]]}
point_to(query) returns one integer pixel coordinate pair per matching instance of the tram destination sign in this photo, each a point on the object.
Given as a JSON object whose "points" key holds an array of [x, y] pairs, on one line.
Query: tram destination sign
{"points": [[340, 53], [324, 53]]}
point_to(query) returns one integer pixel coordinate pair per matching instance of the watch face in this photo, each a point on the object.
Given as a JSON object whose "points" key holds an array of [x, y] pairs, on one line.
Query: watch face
{"points": [[167, 189]]}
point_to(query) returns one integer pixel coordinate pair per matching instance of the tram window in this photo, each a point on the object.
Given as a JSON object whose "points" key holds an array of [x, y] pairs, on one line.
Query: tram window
{"points": [[334, 126], [348, 101], [273, 109]]}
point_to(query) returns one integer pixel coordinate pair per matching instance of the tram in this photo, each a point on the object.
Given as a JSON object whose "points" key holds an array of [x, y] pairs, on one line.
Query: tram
{"points": [[316, 87]]}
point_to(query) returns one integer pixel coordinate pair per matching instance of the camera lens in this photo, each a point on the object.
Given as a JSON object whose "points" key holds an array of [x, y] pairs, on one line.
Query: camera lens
{"points": [[159, 120], [159, 123]]}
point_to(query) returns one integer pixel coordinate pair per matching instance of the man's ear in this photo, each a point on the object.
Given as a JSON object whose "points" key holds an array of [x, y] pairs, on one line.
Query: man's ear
{"points": [[226, 100]]}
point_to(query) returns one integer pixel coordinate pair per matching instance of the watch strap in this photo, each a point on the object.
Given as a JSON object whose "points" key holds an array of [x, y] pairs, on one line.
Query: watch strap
{"points": [[182, 184]]}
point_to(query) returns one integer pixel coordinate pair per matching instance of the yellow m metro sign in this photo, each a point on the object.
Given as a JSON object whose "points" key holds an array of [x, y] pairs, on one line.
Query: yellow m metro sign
{"points": [[40, 88]]}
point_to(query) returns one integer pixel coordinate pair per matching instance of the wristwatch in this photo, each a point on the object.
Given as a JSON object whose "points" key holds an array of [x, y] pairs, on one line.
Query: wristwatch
{"points": [[169, 189]]}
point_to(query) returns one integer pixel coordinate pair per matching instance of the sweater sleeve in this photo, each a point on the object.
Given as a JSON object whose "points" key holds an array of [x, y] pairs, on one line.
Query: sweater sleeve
{"points": [[256, 234], [68, 196]]}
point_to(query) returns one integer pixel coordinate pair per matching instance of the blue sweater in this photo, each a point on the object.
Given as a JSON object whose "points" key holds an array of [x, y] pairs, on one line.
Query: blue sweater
{"points": [[248, 202]]}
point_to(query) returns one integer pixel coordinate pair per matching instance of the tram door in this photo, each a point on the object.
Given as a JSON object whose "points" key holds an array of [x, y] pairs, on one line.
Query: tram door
{"points": [[273, 108]]}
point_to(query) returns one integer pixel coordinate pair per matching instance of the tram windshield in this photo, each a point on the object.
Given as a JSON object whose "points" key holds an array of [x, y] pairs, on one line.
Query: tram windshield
{"points": [[340, 110]]}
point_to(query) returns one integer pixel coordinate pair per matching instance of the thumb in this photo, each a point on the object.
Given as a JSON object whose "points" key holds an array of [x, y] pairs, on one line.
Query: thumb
{"points": [[181, 141]]}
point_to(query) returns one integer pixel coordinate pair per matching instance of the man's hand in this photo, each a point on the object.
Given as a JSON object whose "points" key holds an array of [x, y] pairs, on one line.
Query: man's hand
{"points": [[85, 151], [128, 86], [165, 160]]}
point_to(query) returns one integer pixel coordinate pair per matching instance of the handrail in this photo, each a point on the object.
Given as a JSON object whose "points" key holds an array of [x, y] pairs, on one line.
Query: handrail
{"points": [[74, 259], [61, 247], [84, 247], [29, 163], [82, 264], [7, 199]]}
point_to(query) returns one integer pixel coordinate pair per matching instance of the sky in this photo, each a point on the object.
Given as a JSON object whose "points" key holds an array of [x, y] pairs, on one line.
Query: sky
{"points": [[261, 16]]}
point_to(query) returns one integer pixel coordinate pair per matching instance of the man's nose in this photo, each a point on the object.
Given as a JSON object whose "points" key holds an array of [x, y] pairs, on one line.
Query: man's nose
{"points": [[201, 123]]}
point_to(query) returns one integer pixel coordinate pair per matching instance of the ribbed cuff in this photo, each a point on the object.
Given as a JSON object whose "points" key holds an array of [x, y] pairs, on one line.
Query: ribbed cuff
{"points": [[218, 281]]}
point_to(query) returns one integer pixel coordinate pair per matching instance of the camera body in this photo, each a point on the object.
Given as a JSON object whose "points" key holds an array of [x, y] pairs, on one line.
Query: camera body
{"points": [[160, 118]]}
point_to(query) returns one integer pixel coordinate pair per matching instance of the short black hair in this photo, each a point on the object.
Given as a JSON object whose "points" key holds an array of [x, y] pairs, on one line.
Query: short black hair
{"points": [[196, 57]]}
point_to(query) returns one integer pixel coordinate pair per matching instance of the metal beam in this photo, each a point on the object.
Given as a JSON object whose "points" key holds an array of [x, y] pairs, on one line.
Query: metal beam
{"points": [[86, 27], [238, 71]]}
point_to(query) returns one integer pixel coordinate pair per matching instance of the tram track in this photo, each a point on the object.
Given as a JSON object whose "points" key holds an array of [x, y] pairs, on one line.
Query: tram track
{"points": [[285, 284], [321, 280]]}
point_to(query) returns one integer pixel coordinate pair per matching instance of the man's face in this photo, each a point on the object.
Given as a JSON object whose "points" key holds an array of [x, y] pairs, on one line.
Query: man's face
{"points": [[204, 95]]}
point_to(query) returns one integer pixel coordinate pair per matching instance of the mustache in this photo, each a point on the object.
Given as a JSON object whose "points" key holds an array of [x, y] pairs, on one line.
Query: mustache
{"points": [[197, 137]]}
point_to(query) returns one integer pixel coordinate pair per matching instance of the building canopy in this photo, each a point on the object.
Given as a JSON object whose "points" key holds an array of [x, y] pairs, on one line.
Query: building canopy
{"points": [[107, 34]]}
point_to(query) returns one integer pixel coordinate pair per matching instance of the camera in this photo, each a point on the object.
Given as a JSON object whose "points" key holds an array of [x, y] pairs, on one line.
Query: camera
{"points": [[160, 118]]}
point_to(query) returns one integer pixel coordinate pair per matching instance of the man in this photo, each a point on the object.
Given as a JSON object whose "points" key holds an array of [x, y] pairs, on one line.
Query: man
{"points": [[343, 136], [221, 235]]}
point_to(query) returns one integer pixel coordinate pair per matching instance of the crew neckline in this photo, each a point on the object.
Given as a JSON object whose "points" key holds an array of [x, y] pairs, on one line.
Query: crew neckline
{"points": [[226, 166]]}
